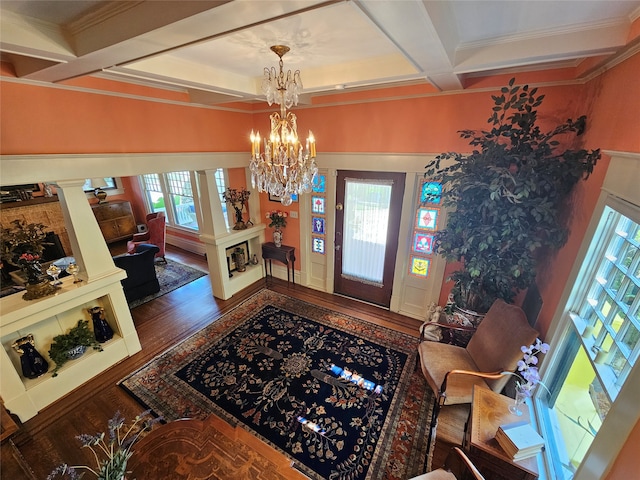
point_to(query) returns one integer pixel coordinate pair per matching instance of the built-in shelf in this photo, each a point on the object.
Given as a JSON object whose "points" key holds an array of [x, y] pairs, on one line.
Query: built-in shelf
{"points": [[53, 315], [223, 286]]}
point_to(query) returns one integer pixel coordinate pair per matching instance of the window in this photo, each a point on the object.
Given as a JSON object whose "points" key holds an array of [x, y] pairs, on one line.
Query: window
{"points": [[599, 344], [172, 193], [222, 187], [109, 184]]}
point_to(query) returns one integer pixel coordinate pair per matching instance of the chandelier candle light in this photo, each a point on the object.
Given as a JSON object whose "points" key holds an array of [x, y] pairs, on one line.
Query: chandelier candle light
{"points": [[285, 168]]}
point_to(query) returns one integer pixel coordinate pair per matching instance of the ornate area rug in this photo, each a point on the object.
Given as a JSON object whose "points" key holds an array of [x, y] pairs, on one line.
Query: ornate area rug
{"points": [[267, 365], [171, 276]]}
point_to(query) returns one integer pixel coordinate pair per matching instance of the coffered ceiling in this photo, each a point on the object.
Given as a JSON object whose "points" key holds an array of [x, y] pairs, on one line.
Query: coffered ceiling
{"points": [[217, 50]]}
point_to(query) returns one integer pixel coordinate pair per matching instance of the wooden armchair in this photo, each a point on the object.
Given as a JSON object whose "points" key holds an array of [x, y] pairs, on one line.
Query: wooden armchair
{"points": [[452, 371], [155, 235], [457, 466]]}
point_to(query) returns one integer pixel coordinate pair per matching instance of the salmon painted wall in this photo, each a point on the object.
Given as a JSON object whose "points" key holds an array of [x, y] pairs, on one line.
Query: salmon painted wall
{"points": [[39, 120], [290, 234]]}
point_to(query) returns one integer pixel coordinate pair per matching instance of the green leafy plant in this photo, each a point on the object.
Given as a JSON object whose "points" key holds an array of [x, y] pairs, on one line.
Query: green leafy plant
{"points": [[80, 335], [506, 197], [111, 454], [22, 237]]}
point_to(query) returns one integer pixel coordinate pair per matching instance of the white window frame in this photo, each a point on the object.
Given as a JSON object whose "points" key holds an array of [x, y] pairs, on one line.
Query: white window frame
{"points": [[171, 220], [619, 192]]}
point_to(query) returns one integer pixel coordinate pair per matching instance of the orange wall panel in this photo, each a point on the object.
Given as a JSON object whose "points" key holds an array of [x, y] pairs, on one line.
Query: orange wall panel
{"points": [[57, 120]]}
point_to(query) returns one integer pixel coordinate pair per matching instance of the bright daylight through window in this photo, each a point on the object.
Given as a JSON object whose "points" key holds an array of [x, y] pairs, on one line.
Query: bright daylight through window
{"points": [[178, 187], [600, 345]]}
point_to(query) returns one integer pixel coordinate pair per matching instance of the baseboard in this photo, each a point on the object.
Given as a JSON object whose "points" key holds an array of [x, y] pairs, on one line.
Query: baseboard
{"points": [[187, 244]]}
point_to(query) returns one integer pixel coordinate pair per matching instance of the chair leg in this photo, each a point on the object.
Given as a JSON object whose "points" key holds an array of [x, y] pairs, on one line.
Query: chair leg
{"points": [[432, 428]]}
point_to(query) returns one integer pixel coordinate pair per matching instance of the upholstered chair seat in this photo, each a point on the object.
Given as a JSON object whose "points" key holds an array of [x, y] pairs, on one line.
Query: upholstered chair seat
{"points": [[155, 235]]}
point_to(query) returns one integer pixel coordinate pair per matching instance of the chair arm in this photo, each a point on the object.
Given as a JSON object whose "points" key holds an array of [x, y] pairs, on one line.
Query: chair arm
{"points": [[139, 237], [488, 375], [468, 464]]}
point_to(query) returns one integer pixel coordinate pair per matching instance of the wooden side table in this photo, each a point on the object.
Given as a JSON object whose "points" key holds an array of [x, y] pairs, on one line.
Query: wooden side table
{"points": [[489, 410], [284, 254]]}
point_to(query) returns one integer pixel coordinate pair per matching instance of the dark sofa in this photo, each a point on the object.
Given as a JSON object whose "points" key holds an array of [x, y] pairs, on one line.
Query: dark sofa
{"points": [[141, 272]]}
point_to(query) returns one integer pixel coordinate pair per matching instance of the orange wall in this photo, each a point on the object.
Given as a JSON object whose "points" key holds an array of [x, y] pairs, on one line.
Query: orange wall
{"points": [[626, 465], [39, 120]]}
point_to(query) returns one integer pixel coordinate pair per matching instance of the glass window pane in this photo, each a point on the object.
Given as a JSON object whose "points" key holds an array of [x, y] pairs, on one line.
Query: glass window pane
{"points": [[629, 256], [109, 182], [366, 217], [222, 187], [631, 292], [591, 370], [577, 414], [154, 192], [181, 190]]}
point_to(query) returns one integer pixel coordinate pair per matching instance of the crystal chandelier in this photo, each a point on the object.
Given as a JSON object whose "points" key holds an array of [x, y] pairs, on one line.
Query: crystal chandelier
{"points": [[285, 168]]}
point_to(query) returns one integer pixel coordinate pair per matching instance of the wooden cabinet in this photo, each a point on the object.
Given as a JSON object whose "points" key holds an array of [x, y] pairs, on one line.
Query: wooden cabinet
{"points": [[115, 219]]}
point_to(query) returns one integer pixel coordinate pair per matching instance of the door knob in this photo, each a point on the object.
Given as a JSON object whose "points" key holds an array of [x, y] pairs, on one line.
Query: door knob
{"points": [[338, 206]]}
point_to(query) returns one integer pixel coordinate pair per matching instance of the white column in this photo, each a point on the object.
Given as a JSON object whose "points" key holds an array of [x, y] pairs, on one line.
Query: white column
{"points": [[217, 238], [213, 225], [89, 247]]}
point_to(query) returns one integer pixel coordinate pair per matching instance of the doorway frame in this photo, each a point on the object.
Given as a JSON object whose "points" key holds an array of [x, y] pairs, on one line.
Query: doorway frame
{"points": [[410, 296]]}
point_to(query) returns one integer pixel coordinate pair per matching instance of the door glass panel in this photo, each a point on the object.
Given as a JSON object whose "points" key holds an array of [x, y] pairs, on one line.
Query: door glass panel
{"points": [[365, 229]]}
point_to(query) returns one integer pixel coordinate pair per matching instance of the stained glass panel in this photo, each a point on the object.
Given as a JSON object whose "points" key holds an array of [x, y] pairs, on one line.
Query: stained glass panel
{"points": [[319, 184], [427, 218], [431, 192], [317, 205], [318, 245], [318, 225], [419, 267], [423, 243]]}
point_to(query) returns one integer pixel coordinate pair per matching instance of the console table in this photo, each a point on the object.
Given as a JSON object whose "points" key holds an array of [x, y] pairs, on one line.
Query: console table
{"points": [[489, 410], [284, 254]]}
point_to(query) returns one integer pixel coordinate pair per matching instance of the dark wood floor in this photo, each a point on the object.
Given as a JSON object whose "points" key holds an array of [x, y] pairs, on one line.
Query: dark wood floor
{"points": [[48, 439]]}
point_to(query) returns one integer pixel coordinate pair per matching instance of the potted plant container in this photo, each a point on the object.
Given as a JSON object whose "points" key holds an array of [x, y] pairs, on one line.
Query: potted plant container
{"points": [[72, 344], [506, 197]]}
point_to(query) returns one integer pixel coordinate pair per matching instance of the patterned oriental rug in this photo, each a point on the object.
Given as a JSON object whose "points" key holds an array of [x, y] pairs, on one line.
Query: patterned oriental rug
{"points": [[267, 365], [171, 276]]}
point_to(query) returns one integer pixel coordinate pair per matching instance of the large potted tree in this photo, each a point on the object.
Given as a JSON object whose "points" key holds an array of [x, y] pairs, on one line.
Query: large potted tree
{"points": [[507, 197]]}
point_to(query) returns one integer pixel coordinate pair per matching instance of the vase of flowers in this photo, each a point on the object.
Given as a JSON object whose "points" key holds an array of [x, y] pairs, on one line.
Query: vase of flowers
{"points": [[112, 453], [30, 265], [278, 220], [21, 245], [237, 199], [528, 376]]}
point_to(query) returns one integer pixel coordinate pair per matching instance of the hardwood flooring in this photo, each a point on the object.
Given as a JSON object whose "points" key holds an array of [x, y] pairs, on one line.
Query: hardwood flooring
{"points": [[48, 439]]}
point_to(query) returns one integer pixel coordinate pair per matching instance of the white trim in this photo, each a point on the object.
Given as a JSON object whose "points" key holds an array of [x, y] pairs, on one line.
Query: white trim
{"points": [[21, 169], [190, 245]]}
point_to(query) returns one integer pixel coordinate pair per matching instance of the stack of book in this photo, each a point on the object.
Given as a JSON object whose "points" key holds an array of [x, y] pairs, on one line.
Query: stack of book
{"points": [[519, 440]]}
